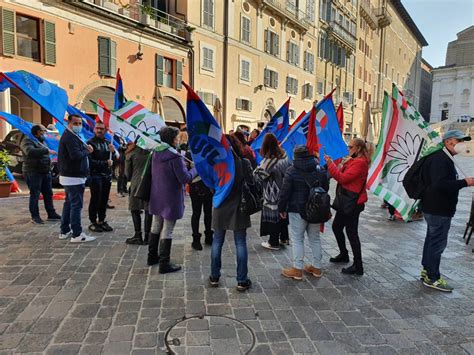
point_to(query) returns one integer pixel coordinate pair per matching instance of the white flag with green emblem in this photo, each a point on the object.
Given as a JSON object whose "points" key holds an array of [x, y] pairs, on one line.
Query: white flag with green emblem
{"points": [[404, 138]]}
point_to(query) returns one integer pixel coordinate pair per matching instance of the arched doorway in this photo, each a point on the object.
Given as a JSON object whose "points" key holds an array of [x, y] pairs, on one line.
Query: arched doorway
{"points": [[104, 93], [173, 111]]}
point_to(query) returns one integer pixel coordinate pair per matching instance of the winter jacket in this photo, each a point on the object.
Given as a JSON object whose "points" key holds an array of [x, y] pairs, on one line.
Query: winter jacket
{"points": [[441, 196], [134, 164], [98, 159], [168, 178], [352, 176], [35, 157], [228, 215], [72, 156], [304, 172]]}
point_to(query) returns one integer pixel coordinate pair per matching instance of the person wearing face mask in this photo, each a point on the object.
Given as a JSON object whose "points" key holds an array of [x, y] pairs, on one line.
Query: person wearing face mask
{"points": [[438, 204], [352, 196], [73, 169], [37, 171], [100, 178]]}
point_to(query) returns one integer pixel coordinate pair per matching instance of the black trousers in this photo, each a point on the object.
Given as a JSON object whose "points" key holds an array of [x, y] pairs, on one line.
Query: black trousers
{"points": [[198, 204], [351, 223], [100, 189]]}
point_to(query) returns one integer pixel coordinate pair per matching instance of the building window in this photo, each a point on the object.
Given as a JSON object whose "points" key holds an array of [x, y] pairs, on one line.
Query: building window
{"points": [[27, 37], [207, 59], [293, 53], [444, 115], [320, 87], [292, 115], [308, 61], [243, 105], [359, 94], [244, 70], [310, 10], [208, 13], [307, 91], [107, 57], [168, 72], [272, 43], [270, 78], [207, 97], [291, 85], [245, 29]]}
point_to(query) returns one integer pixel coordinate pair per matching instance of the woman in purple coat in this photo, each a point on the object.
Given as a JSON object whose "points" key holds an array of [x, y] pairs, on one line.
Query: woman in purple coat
{"points": [[169, 175]]}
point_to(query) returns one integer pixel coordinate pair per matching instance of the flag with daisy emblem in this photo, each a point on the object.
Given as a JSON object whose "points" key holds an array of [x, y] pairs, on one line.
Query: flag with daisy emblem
{"points": [[404, 138]]}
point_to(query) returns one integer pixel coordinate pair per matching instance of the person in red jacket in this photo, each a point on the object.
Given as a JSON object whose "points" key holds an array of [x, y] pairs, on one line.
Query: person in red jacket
{"points": [[351, 196]]}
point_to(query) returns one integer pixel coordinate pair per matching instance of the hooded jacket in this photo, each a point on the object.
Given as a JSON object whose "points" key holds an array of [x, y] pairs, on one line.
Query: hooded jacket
{"points": [[304, 172], [169, 175]]}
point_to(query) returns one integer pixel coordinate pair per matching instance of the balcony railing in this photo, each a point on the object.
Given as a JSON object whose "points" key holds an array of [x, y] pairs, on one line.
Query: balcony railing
{"points": [[291, 12], [343, 35], [368, 13], [146, 15]]}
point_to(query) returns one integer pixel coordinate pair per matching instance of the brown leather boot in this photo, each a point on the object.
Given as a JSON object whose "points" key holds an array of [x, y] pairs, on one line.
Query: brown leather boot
{"points": [[293, 273], [310, 269]]}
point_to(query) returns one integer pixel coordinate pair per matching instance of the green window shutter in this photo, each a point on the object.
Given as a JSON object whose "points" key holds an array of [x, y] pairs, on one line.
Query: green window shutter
{"points": [[49, 43], [160, 62], [104, 56], [179, 74], [113, 59], [267, 41], [8, 32]]}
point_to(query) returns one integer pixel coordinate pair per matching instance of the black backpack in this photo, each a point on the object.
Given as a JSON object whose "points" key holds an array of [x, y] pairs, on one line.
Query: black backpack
{"points": [[318, 205], [413, 181]]}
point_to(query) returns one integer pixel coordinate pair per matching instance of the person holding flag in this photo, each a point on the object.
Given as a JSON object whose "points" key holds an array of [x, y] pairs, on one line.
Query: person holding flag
{"points": [[37, 171], [351, 196]]}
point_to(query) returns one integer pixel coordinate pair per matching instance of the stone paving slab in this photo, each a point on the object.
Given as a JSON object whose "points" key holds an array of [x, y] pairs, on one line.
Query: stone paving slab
{"points": [[101, 298]]}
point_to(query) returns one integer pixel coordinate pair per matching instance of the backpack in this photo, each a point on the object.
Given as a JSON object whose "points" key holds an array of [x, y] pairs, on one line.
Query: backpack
{"points": [[318, 205], [251, 199], [413, 181]]}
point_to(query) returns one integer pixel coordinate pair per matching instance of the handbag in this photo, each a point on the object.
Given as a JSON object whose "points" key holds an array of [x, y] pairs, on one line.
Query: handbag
{"points": [[144, 184], [346, 201]]}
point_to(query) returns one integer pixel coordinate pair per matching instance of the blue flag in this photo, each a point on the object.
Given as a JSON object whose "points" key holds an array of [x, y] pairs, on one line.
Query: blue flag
{"points": [[327, 128], [278, 125], [49, 96], [119, 99], [211, 152], [51, 139]]}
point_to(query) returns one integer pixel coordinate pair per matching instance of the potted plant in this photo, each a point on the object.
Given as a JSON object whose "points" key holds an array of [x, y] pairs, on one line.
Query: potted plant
{"points": [[5, 184], [147, 13]]}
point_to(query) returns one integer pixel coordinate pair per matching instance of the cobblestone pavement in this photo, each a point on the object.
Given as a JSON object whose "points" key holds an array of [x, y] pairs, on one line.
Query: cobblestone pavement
{"points": [[61, 298]]}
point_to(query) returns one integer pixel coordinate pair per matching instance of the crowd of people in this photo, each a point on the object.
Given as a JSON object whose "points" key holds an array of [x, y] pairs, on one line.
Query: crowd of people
{"points": [[285, 187]]}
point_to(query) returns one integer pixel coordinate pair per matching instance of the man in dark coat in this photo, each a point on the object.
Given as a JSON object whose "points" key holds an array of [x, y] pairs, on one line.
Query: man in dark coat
{"points": [[100, 179], [37, 172], [73, 170], [438, 204]]}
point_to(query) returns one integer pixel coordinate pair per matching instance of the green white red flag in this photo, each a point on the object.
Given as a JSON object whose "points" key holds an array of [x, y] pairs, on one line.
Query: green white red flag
{"points": [[140, 117], [404, 138]]}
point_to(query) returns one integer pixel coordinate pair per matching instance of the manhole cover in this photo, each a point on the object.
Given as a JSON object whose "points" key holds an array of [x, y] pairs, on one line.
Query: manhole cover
{"points": [[219, 334]]}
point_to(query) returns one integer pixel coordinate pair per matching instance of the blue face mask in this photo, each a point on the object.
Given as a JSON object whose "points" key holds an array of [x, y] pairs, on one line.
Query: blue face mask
{"points": [[77, 129]]}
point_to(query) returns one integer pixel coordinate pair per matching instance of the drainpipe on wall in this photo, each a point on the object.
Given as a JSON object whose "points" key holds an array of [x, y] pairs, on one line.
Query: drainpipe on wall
{"points": [[191, 67], [224, 76]]}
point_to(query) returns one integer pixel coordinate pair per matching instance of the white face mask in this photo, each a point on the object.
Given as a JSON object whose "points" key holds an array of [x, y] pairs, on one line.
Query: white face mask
{"points": [[460, 148]]}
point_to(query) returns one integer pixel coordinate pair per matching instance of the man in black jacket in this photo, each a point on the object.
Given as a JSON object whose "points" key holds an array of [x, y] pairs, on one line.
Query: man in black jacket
{"points": [[37, 172], [439, 205], [73, 170], [100, 179]]}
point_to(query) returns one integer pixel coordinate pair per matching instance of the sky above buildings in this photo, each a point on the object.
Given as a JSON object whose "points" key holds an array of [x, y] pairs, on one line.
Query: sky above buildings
{"points": [[439, 21]]}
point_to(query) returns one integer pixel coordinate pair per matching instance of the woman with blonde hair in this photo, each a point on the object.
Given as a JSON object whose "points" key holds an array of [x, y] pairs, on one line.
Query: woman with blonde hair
{"points": [[351, 196]]}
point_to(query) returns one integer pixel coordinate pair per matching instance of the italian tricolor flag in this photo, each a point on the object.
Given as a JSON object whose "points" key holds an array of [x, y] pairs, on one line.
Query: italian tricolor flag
{"points": [[405, 137]]}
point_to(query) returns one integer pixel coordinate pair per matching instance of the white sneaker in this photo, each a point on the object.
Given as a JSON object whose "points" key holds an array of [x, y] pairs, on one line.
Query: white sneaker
{"points": [[65, 236], [267, 245], [82, 238]]}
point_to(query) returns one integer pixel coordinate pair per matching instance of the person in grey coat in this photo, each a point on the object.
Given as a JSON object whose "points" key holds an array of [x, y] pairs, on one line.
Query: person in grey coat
{"points": [[135, 162], [228, 216]]}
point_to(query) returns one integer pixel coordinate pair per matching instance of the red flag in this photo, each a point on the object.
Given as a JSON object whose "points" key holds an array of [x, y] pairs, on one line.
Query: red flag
{"points": [[312, 138], [302, 114], [104, 114], [340, 117]]}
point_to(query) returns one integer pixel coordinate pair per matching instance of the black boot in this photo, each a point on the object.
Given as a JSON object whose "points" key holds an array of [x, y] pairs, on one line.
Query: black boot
{"points": [[196, 244], [209, 237], [353, 270], [146, 239], [340, 258], [165, 253], [148, 220], [136, 239], [153, 241]]}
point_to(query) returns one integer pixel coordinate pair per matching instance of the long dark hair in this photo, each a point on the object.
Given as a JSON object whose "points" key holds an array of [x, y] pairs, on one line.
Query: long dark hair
{"points": [[365, 149], [235, 144], [270, 147]]}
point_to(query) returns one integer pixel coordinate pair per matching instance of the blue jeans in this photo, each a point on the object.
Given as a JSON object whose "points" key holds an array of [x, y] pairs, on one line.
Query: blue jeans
{"points": [[297, 228], [71, 216], [435, 243], [40, 184], [240, 239]]}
